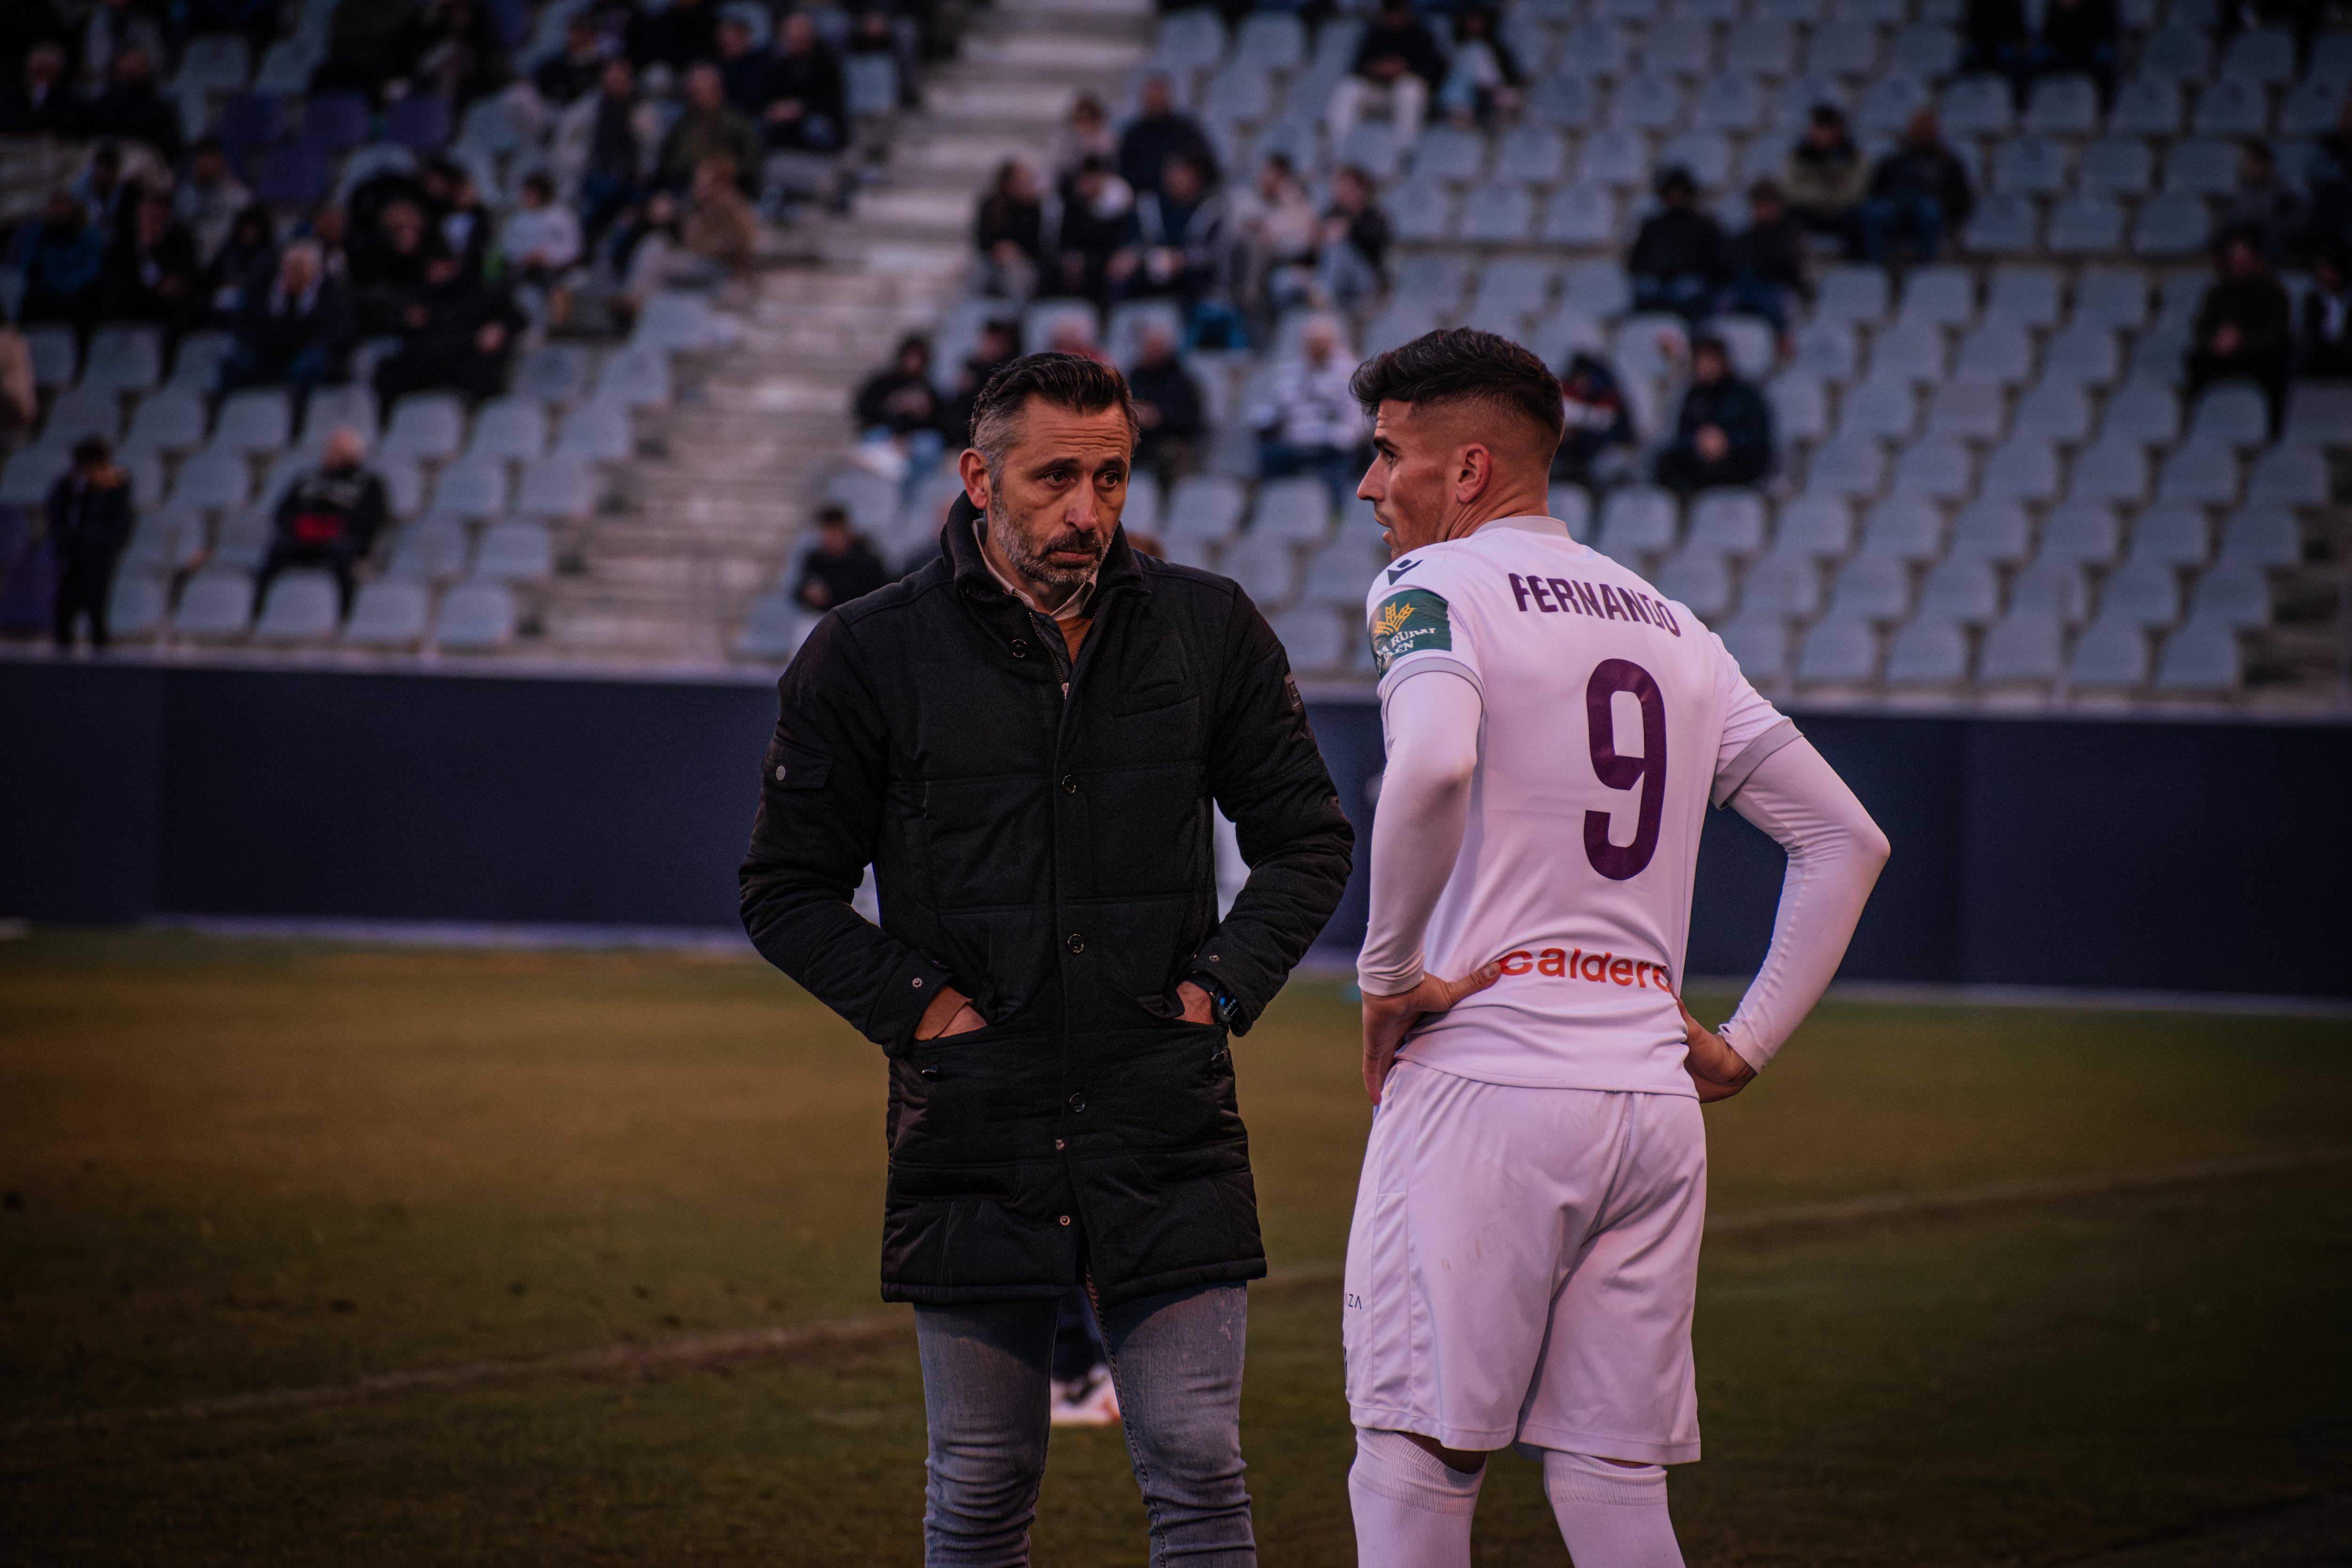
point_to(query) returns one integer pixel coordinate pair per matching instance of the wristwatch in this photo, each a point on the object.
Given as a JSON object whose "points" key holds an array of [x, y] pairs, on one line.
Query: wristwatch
{"points": [[1222, 1006]]}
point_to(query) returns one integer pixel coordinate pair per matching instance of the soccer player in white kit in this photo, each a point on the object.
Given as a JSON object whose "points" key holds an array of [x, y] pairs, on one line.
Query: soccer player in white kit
{"points": [[1524, 1252]]}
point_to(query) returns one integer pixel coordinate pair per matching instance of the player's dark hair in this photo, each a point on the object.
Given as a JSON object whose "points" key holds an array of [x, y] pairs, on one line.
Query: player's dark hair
{"points": [[1069, 382], [1462, 364]]}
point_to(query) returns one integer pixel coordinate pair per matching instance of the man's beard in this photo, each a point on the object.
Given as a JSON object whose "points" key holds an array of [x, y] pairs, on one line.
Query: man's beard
{"points": [[1036, 565]]}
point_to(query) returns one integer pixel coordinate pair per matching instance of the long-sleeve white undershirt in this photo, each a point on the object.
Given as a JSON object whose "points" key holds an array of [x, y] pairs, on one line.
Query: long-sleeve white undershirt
{"points": [[1834, 852]]}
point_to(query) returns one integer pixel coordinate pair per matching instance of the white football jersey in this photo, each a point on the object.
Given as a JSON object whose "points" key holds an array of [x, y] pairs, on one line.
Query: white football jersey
{"points": [[1611, 716]]}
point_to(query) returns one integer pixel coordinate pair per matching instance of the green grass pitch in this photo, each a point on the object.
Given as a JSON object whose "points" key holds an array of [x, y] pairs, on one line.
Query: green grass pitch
{"points": [[241, 1167]]}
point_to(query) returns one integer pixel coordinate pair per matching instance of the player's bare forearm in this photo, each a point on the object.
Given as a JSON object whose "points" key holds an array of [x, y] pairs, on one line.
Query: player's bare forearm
{"points": [[1717, 1070], [1389, 1019]]}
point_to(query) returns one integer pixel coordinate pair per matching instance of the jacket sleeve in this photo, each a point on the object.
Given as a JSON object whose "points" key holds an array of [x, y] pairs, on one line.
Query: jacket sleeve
{"points": [[820, 815], [1268, 776]]}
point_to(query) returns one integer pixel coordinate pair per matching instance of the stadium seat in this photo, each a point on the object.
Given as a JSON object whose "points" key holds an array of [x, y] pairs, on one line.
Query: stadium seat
{"points": [[1970, 410], [1448, 154], [1653, 344], [2081, 531], [1812, 526], [1939, 296], [1851, 294], [2085, 353], [1266, 567], [2291, 476], [1564, 99], [1927, 52], [1204, 507], [136, 603], [124, 357], [1846, 466], [2052, 589], [1976, 106], [351, 406], [2202, 471], [2111, 297], [1497, 215], [472, 488], [1272, 40], [1913, 351], [1847, 48], [1837, 648], [80, 413], [2022, 468], [1826, 349], [2318, 415], [515, 550], [425, 425], [1757, 643], [2234, 593], [1937, 467], [2171, 225], [1572, 504], [2025, 293], [1341, 573], [1595, 49], [774, 627], [636, 378], [1565, 334], [2180, 52], [2085, 225], [1998, 351], [215, 62], [2230, 108], [1704, 155], [1762, 47], [2054, 409], [1613, 156], [1872, 588], [2261, 533], [212, 481], [2195, 168], [512, 429], [2022, 646], [1961, 590], [1294, 510], [1904, 528], [2311, 106], [2030, 166], [564, 486], [166, 539], [301, 606], [257, 422], [1420, 210], [1533, 154], [1800, 406], [599, 432], [57, 358], [1727, 521], [2110, 652], [216, 605], [2171, 533], [2063, 106], [2232, 413], [1314, 637], [2145, 107], [2201, 656], [476, 617], [2116, 166], [1637, 521], [432, 550], [1883, 407], [552, 374], [2144, 411], [1698, 578], [1989, 529], [1732, 104], [195, 365], [2005, 222]]}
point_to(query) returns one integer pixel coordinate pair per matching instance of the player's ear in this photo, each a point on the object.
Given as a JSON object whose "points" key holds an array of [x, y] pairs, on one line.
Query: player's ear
{"points": [[1473, 466], [972, 469]]}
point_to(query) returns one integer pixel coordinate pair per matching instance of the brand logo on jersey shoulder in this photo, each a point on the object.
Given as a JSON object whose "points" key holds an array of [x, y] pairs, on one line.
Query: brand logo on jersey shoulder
{"points": [[1412, 621], [1600, 601], [1596, 968], [1401, 568]]}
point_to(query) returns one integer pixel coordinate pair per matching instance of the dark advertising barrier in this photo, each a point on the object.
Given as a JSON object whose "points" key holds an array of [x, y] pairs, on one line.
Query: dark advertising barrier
{"points": [[2075, 852]]}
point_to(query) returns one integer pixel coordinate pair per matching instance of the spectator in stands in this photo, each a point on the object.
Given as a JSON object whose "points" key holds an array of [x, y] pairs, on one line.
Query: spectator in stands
{"points": [[40, 103], [20, 400], [718, 225], [1723, 435], [101, 33], [2328, 177], [2244, 330], [1008, 232], [1076, 335], [1482, 83], [466, 227], [391, 267], [1160, 132], [575, 68], [131, 107], [1826, 174], [453, 49], [1097, 224], [2078, 38], [64, 262], [709, 128], [1918, 194], [101, 189], [297, 331], [90, 518], [1397, 66], [2264, 203], [1308, 422], [1677, 261], [2325, 350], [895, 38], [362, 40], [247, 260], [329, 518], [806, 108], [209, 197], [605, 141], [1179, 249], [840, 566], [1276, 229], [1351, 267], [1767, 260], [1599, 438], [540, 238], [1085, 134], [329, 227], [457, 337], [151, 273], [901, 400], [743, 68], [1000, 344], [1995, 40], [677, 36], [1167, 405]]}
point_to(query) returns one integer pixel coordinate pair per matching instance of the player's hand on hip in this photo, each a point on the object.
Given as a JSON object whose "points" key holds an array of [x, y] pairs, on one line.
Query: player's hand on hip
{"points": [[1717, 1070], [950, 1013], [1389, 1019]]}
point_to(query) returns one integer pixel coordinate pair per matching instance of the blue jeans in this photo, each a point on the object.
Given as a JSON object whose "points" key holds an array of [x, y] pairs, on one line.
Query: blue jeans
{"points": [[1881, 222], [1176, 1361], [1685, 294]]}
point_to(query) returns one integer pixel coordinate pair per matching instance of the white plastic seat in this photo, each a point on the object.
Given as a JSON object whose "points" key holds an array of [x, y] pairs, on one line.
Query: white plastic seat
{"points": [[1313, 636], [2201, 656], [351, 406], [2022, 468], [1342, 571], [1885, 408], [1846, 466], [1295, 511], [124, 357], [1765, 46], [1535, 155], [431, 550], [599, 432], [1942, 296], [2110, 652], [2021, 645], [136, 603], [1573, 505], [1913, 351], [2030, 166], [1928, 651], [515, 550], [2024, 293], [2171, 533], [170, 419], [2116, 166], [1567, 332], [2088, 223], [1613, 155], [1971, 410], [1841, 49], [56, 356], [2144, 411], [80, 413], [510, 428], [1420, 210], [213, 481], [1729, 521], [2111, 297], [1989, 529], [471, 488], [2171, 225], [634, 378], [1872, 588], [2145, 107], [301, 608], [1728, 104], [1519, 285], [2235, 593], [1926, 51], [1583, 215], [2261, 533], [1837, 648], [257, 421], [1704, 155], [552, 374], [1976, 106], [1204, 507], [2203, 470], [1999, 350], [2318, 415], [1937, 467], [427, 425], [2005, 222], [2085, 353], [2179, 52], [1826, 349], [2063, 106], [2232, 413], [216, 605], [165, 539], [2109, 469], [1266, 566], [1800, 406], [1757, 643], [476, 617], [560, 486], [1851, 294], [1651, 344], [1812, 526], [1961, 590], [1497, 215], [2231, 107], [1637, 521], [1563, 98], [2312, 105], [2051, 588], [1904, 527], [1647, 101], [774, 627], [2081, 531], [1699, 577], [2293, 476]]}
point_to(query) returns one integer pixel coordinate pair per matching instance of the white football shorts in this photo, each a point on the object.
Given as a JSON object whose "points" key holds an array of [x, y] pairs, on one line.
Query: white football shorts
{"points": [[1522, 1266]]}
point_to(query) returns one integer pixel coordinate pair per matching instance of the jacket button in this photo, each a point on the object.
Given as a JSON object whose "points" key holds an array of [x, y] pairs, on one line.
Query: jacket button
{"points": [[1066, 1220], [1020, 651], [1077, 1102], [1076, 942], [1058, 1143], [779, 776], [1069, 784]]}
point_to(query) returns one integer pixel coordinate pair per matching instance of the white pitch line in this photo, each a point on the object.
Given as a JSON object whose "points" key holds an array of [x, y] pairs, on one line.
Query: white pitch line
{"points": [[693, 1352]]}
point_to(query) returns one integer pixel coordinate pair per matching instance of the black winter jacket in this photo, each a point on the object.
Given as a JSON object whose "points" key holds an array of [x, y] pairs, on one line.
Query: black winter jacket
{"points": [[1049, 856]]}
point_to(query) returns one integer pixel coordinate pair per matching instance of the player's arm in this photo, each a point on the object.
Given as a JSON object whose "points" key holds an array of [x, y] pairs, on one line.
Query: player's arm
{"points": [[820, 818], [1433, 717], [1835, 852]]}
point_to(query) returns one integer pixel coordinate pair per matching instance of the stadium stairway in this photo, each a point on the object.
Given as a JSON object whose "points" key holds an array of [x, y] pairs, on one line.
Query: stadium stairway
{"points": [[710, 513]]}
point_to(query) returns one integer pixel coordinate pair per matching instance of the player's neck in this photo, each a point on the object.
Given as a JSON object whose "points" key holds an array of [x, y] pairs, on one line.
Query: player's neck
{"points": [[1516, 501]]}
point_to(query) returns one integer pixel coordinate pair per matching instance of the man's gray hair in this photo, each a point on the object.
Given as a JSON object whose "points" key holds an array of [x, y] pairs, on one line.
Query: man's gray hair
{"points": [[1071, 382]]}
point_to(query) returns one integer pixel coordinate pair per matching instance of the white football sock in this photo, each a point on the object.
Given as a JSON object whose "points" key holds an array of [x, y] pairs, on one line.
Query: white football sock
{"points": [[1612, 1516], [1412, 1509]]}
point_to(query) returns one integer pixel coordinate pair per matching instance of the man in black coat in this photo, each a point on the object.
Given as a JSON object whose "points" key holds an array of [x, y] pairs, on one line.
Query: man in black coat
{"points": [[90, 522], [1025, 739], [329, 518], [1723, 435], [1677, 260]]}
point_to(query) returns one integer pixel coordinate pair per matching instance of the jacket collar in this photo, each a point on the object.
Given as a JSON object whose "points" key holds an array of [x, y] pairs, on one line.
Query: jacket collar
{"points": [[970, 567]]}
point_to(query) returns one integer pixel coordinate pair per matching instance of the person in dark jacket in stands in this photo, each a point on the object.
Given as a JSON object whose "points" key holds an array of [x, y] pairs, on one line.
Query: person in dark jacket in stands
{"points": [[90, 517], [1008, 230], [1097, 224], [1766, 260], [459, 335], [999, 345], [841, 566], [575, 68], [2326, 347], [329, 518], [2078, 38], [2244, 329], [1025, 739], [806, 106], [1598, 427], [1160, 132], [1166, 407], [1723, 435], [296, 328], [65, 264], [1676, 261], [151, 270], [1918, 193], [901, 400], [40, 103], [1824, 175], [130, 110]]}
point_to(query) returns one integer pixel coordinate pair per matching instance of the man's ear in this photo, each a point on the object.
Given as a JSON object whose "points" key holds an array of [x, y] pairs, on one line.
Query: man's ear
{"points": [[1473, 468], [972, 469]]}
